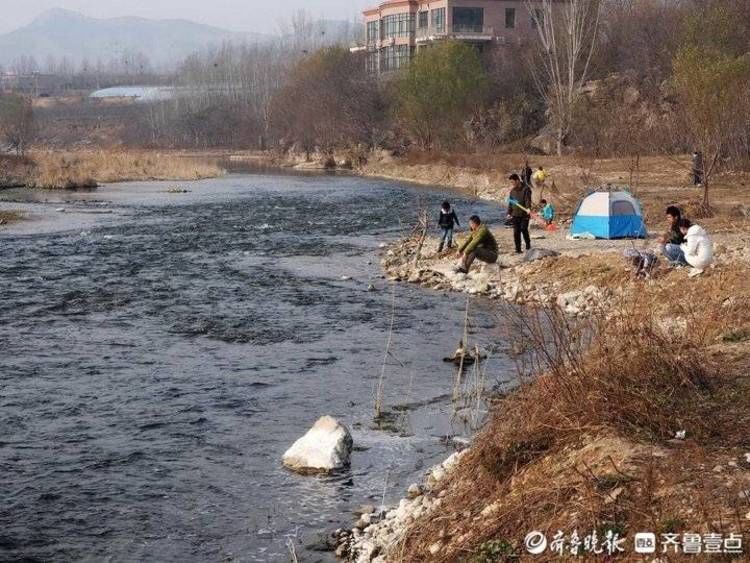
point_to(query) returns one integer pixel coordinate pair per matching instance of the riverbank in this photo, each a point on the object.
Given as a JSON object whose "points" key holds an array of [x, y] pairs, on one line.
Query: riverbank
{"points": [[8, 217], [87, 169], [636, 390]]}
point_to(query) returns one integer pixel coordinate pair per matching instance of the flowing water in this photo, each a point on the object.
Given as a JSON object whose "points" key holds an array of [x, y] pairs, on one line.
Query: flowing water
{"points": [[159, 353]]}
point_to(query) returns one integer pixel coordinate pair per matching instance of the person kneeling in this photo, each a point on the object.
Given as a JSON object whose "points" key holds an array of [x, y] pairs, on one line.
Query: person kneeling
{"points": [[671, 242], [480, 244], [698, 248]]}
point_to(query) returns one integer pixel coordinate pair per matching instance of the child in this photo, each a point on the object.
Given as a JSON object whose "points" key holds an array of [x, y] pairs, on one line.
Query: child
{"points": [[548, 212], [448, 219]]}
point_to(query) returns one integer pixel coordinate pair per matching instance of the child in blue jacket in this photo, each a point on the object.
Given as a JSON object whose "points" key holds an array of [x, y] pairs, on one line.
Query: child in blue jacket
{"points": [[548, 212]]}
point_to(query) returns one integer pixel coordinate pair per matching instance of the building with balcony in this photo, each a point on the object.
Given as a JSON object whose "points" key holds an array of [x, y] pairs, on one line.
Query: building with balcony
{"points": [[396, 29]]}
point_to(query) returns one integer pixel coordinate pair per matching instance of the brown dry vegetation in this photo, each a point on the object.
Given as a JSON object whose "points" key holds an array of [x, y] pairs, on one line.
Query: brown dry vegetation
{"points": [[587, 442], [588, 445], [85, 169], [10, 217]]}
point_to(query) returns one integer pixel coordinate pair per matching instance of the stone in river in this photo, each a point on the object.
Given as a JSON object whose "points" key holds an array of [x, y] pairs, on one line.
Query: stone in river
{"points": [[326, 447]]}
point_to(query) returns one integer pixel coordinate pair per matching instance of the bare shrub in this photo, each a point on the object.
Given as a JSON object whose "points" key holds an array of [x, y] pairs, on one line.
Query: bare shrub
{"points": [[561, 449]]}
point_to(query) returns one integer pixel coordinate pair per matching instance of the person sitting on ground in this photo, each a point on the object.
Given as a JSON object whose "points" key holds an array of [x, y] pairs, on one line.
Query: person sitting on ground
{"points": [[540, 176], [521, 194], [448, 219], [698, 247], [673, 238], [548, 212], [480, 244]]}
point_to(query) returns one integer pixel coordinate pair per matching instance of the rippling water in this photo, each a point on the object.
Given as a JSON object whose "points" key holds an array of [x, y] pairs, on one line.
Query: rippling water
{"points": [[157, 361]]}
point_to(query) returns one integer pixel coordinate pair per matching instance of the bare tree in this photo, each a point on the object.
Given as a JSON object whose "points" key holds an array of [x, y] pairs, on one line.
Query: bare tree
{"points": [[567, 36], [328, 101], [16, 122]]}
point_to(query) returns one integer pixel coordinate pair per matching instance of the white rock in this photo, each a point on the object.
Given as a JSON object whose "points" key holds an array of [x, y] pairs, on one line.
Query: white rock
{"points": [[438, 474], [366, 551], [451, 462], [570, 302], [414, 491], [327, 446], [364, 521]]}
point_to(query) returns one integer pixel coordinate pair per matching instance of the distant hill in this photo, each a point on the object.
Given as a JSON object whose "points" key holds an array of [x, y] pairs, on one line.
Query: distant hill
{"points": [[64, 33]]}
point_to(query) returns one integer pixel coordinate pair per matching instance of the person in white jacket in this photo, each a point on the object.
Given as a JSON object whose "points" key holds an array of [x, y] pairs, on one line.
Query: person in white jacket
{"points": [[698, 247]]}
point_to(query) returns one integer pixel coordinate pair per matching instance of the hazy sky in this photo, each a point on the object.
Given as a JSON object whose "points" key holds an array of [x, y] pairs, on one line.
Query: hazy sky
{"points": [[239, 15]]}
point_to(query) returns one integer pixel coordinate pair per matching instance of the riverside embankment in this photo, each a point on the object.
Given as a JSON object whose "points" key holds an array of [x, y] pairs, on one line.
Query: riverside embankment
{"points": [[618, 437]]}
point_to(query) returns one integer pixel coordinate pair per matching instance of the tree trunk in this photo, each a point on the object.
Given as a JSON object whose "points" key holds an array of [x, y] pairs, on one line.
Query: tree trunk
{"points": [[706, 202]]}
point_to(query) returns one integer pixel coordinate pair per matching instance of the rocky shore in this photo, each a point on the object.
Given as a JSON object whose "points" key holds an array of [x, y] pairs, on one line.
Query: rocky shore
{"points": [[377, 531], [513, 278]]}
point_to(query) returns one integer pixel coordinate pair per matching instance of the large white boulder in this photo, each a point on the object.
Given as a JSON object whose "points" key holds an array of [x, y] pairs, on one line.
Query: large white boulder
{"points": [[327, 446]]}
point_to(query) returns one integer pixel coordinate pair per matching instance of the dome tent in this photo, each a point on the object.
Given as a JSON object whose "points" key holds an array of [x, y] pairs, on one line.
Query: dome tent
{"points": [[609, 215]]}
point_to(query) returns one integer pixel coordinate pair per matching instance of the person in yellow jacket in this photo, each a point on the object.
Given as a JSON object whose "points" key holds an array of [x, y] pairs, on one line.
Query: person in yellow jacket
{"points": [[540, 176]]}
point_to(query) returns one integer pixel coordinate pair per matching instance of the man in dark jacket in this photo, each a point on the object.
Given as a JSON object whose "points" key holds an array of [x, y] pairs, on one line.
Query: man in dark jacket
{"points": [[480, 244], [527, 173], [521, 194], [698, 168]]}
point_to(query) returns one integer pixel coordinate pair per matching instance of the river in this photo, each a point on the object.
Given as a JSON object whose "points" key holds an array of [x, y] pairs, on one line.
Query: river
{"points": [[161, 351]]}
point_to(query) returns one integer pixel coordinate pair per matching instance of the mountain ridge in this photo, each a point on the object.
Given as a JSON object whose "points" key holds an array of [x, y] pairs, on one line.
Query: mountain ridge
{"points": [[59, 33]]}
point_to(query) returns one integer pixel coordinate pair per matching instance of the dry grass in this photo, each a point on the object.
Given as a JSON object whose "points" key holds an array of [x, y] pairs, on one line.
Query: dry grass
{"points": [[13, 170], [87, 169], [588, 444], [7, 217]]}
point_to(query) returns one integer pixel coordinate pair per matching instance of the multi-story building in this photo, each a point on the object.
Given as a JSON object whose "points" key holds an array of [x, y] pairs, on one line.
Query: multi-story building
{"points": [[396, 29]]}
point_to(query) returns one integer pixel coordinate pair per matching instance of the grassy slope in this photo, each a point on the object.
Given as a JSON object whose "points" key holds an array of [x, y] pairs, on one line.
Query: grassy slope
{"points": [[589, 443]]}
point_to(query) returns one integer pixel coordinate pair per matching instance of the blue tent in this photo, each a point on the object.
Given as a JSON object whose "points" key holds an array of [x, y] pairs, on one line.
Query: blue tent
{"points": [[609, 215]]}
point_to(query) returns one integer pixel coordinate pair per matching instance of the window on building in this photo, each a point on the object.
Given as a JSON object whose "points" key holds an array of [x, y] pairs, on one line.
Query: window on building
{"points": [[468, 20], [510, 18], [423, 20], [371, 62], [438, 20], [395, 57], [373, 33], [538, 16], [397, 25]]}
